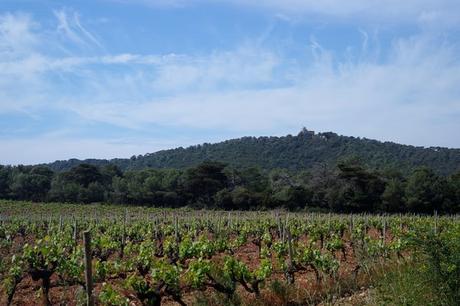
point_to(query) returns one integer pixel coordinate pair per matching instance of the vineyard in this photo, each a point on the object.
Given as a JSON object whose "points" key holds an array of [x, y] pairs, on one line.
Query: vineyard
{"points": [[62, 254]]}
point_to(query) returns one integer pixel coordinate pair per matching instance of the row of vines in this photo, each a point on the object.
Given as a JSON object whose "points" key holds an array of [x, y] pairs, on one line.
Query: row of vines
{"points": [[168, 257]]}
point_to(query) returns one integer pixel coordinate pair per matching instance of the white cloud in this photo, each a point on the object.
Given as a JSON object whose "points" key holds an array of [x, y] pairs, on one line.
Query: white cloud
{"points": [[16, 33], [19, 64], [69, 25], [240, 68], [27, 69], [407, 98]]}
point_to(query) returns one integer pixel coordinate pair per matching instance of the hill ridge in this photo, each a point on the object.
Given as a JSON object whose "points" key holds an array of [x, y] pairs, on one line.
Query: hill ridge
{"points": [[302, 151]]}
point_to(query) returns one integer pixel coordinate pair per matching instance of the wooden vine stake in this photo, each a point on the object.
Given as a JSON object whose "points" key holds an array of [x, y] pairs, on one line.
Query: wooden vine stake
{"points": [[278, 220], [75, 231], [435, 222], [48, 228], [290, 253], [123, 234], [176, 228], [88, 270], [290, 272], [60, 223], [351, 225], [384, 229]]}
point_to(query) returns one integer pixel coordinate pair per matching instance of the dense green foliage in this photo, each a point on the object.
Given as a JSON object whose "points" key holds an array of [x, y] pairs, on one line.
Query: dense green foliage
{"points": [[295, 153], [348, 187]]}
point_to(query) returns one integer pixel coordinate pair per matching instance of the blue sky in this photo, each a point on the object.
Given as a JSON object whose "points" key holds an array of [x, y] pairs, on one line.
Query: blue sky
{"points": [[114, 78]]}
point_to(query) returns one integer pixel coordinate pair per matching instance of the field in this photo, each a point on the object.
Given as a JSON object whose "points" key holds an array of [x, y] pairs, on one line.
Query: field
{"points": [[146, 256]]}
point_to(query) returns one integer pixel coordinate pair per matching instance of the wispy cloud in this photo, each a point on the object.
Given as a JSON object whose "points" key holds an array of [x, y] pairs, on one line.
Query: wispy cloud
{"points": [[17, 33], [243, 67], [69, 25], [413, 90]]}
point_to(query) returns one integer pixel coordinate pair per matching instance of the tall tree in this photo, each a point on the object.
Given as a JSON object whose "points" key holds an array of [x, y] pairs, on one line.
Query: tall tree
{"points": [[363, 188], [425, 191], [393, 197], [84, 174], [205, 180], [5, 174]]}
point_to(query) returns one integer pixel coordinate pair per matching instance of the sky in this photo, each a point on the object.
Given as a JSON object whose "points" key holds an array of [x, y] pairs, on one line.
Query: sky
{"points": [[116, 78]]}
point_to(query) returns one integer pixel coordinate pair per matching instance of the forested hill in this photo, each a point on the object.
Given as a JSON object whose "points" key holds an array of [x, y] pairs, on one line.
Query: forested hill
{"points": [[290, 152]]}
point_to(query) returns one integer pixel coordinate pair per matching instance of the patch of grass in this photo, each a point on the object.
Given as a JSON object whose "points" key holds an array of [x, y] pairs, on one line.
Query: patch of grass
{"points": [[432, 277], [326, 293], [216, 299], [405, 284]]}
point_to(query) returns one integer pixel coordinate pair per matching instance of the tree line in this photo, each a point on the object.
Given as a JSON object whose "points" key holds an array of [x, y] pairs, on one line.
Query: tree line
{"points": [[349, 186]]}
